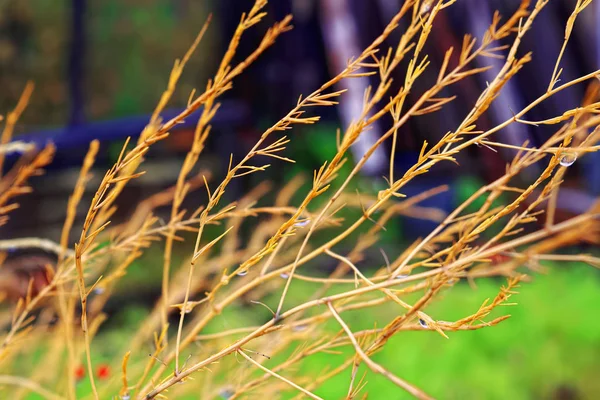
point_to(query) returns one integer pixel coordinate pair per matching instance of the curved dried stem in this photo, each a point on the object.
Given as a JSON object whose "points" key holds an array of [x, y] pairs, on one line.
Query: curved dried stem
{"points": [[267, 370], [373, 365]]}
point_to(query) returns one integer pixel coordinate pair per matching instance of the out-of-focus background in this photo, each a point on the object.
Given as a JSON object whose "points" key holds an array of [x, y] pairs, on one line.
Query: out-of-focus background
{"points": [[100, 66]]}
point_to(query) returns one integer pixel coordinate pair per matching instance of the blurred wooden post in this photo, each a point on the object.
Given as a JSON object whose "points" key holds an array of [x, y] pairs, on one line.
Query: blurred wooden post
{"points": [[76, 63]]}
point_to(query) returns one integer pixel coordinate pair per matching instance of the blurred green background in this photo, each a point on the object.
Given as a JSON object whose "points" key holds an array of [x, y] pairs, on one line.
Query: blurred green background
{"points": [[547, 349]]}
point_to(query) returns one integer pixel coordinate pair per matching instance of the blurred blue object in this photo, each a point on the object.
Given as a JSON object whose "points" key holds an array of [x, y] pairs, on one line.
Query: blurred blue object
{"points": [[73, 138], [591, 172], [444, 201], [419, 227]]}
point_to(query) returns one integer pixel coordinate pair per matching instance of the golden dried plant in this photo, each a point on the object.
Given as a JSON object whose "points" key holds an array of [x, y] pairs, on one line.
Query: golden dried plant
{"points": [[283, 243]]}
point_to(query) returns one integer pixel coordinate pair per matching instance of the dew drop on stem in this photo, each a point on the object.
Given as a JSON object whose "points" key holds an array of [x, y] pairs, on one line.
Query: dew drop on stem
{"points": [[302, 223], [567, 159], [298, 328], [426, 7]]}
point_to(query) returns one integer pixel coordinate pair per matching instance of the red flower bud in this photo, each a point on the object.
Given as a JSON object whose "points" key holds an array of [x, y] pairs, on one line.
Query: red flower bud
{"points": [[103, 371]]}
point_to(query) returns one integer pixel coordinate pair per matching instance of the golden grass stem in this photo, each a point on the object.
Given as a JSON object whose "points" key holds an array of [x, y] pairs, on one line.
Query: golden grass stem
{"points": [[276, 375]]}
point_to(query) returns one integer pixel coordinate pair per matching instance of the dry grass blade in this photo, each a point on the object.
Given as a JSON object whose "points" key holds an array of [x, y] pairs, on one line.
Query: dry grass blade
{"points": [[306, 392], [374, 366]]}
